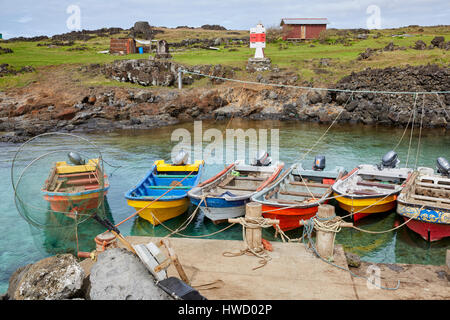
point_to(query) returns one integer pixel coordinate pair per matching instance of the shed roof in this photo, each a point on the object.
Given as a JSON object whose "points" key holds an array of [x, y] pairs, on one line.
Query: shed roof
{"points": [[304, 21]]}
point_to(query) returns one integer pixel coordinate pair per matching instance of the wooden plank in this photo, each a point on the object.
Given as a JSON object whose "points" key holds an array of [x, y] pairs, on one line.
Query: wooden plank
{"points": [[50, 179], [286, 201], [312, 185], [433, 185], [376, 184], [250, 178], [368, 193], [239, 188], [226, 181], [301, 194], [415, 196]]}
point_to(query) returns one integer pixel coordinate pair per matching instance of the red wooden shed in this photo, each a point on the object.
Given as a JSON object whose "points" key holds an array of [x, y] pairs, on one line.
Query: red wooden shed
{"points": [[302, 28], [122, 46]]}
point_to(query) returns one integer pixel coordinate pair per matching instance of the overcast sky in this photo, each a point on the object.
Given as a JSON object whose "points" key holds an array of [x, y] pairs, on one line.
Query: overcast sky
{"points": [[49, 17]]}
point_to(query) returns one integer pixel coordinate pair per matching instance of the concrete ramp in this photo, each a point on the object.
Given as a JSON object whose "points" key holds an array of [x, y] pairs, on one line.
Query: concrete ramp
{"points": [[293, 273]]}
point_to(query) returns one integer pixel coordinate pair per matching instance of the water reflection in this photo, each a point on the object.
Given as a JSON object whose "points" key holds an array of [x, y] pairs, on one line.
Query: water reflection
{"points": [[62, 233]]}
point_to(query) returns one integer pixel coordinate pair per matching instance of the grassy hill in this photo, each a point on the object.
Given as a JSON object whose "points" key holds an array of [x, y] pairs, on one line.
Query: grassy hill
{"points": [[340, 47]]}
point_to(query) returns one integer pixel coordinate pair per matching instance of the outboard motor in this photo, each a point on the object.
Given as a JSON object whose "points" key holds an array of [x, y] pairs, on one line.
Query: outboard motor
{"points": [[262, 159], [443, 167], [181, 158], [319, 163], [76, 159], [389, 160]]}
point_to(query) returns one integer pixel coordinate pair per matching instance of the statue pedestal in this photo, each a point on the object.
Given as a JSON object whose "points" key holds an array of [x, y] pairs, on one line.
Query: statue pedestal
{"points": [[258, 64]]}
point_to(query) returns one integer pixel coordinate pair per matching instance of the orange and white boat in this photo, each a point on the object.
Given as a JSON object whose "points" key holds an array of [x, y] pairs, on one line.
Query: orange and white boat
{"points": [[79, 188], [297, 194]]}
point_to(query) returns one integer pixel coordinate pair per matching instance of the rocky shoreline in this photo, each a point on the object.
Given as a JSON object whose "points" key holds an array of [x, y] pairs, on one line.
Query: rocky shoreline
{"points": [[23, 115]]}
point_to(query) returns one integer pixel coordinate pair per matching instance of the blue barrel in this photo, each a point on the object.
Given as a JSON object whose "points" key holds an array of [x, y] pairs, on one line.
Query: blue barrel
{"points": [[141, 50]]}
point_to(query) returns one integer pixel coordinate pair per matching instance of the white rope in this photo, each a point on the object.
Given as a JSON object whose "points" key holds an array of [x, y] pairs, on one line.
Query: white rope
{"points": [[412, 130], [420, 132]]}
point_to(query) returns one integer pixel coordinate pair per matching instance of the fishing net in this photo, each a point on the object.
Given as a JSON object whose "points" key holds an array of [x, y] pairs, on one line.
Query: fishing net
{"points": [[59, 184]]}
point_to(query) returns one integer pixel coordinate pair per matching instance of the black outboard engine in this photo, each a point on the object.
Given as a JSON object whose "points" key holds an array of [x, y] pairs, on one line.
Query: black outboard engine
{"points": [[262, 159], [319, 163], [76, 159], [443, 167], [389, 160]]}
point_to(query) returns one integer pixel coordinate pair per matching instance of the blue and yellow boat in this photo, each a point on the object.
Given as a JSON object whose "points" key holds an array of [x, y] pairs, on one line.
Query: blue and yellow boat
{"points": [[168, 184]]}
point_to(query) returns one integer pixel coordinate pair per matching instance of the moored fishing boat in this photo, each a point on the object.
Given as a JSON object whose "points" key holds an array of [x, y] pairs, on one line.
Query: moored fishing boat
{"points": [[298, 193], [224, 196], [168, 184], [371, 189], [425, 202], [75, 188]]}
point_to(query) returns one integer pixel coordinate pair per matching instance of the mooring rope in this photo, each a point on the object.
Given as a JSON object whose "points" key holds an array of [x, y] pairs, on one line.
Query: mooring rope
{"points": [[190, 218], [420, 132], [412, 130], [309, 226], [260, 252]]}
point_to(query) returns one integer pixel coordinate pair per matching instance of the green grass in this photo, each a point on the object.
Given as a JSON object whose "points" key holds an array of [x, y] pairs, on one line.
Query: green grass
{"points": [[302, 58]]}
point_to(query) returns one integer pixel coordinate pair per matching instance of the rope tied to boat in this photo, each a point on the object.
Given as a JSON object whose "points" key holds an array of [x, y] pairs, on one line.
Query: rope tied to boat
{"points": [[330, 224], [308, 228]]}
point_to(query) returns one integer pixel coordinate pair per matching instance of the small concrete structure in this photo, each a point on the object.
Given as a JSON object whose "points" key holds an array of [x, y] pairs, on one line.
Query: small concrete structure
{"points": [[162, 50]]}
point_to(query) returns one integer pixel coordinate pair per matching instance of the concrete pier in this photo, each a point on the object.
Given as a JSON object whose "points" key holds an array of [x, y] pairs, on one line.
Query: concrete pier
{"points": [[294, 273]]}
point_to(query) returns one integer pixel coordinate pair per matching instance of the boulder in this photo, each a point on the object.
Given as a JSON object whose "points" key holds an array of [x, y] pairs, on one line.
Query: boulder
{"points": [[314, 97], [389, 47], [54, 278], [353, 260], [420, 45], [438, 42], [142, 29], [120, 275], [367, 54]]}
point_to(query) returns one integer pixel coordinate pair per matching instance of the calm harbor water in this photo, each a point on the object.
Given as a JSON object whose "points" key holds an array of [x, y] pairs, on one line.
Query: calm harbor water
{"points": [[132, 154]]}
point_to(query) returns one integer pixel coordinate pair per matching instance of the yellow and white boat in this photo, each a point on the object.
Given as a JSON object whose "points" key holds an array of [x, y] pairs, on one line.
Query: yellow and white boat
{"points": [[162, 194]]}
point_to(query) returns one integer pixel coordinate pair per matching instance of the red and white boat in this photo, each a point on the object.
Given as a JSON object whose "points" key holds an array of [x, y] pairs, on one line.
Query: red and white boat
{"points": [[425, 203]]}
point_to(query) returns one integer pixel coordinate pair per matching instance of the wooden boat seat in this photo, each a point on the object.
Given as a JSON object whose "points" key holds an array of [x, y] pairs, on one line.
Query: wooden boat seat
{"points": [[168, 187], [240, 188], [77, 174], [250, 178], [282, 201], [367, 193], [81, 181], [173, 176], [309, 184], [376, 184], [300, 194]]}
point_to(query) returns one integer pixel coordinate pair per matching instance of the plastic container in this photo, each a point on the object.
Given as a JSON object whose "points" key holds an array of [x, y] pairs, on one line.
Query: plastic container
{"points": [[141, 50]]}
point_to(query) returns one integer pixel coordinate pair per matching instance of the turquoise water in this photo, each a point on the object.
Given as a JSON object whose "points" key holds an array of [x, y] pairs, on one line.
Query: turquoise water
{"points": [[135, 151]]}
